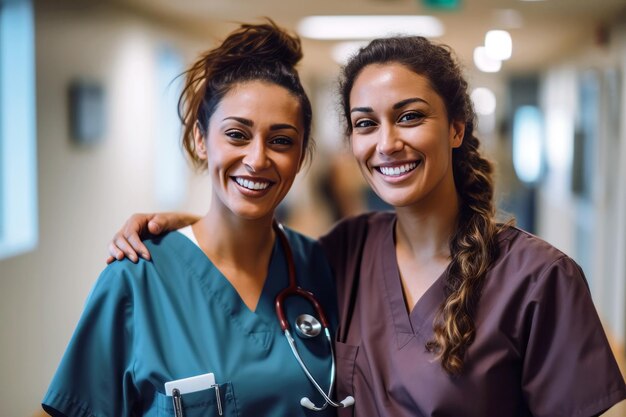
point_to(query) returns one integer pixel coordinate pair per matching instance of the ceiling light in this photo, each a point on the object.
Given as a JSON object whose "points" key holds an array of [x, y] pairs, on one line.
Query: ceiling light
{"points": [[368, 27], [498, 44], [484, 62], [484, 101]]}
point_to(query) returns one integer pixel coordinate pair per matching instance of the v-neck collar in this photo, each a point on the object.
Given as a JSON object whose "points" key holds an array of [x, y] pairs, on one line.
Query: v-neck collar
{"points": [[419, 322], [258, 323]]}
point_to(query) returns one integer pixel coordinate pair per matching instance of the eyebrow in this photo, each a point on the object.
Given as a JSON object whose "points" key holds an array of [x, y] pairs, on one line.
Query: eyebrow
{"points": [[404, 102], [396, 106], [361, 110], [250, 123]]}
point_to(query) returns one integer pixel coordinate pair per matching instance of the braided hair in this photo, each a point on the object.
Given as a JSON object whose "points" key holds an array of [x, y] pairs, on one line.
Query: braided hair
{"points": [[472, 246]]}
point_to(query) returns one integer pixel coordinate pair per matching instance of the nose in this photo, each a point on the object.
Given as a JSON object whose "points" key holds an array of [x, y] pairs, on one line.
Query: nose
{"points": [[256, 158], [389, 141]]}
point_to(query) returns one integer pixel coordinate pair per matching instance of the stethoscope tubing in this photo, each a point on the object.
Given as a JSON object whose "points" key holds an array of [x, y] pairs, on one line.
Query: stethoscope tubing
{"points": [[325, 395], [294, 290]]}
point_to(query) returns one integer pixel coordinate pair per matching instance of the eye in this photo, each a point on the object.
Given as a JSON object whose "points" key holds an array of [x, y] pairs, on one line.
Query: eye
{"points": [[363, 123], [411, 116], [236, 135], [281, 141]]}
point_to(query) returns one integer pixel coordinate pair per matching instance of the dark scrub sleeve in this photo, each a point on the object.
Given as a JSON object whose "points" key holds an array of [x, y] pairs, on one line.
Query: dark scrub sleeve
{"points": [[568, 368], [95, 374]]}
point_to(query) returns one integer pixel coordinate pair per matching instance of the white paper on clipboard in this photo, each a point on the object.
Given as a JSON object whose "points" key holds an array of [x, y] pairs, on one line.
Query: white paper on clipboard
{"points": [[191, 384]]}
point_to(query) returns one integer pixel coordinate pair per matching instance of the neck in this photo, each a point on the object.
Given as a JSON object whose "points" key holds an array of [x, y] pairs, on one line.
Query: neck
{"points": [[235, 241], [240, 248], [425, 230]]}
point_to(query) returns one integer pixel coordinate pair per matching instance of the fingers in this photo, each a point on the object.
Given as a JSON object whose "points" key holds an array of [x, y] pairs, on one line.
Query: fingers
{"points": [[114, 253], [120, 248], [127, 242], [165, 222], [137, 245], [155, 225]]}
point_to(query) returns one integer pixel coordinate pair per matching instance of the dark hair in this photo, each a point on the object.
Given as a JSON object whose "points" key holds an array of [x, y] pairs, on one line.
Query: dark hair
{"points": [[472, 246], [262, 52]]}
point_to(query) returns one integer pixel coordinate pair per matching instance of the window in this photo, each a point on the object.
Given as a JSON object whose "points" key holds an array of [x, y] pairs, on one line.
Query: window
{"points": [[18, 169], [170, 166]]}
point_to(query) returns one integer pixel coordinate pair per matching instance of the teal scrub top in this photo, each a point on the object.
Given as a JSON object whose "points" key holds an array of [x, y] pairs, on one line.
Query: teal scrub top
{"points": [[176, 317]]}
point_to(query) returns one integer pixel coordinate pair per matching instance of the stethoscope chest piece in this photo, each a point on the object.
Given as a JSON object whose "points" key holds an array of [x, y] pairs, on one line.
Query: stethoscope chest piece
{"points": [[307, 326]]}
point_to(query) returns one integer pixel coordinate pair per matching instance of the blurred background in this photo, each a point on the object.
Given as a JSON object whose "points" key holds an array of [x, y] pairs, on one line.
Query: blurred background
{"points": [[89, 135]]}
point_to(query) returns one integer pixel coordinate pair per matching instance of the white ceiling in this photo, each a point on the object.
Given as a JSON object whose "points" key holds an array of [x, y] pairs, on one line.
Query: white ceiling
{"points": [[549, 29]]}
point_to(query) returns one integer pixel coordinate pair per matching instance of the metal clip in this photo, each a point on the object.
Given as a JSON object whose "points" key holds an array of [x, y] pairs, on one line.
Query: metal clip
{"points": [[178, 404], [219, 400]]}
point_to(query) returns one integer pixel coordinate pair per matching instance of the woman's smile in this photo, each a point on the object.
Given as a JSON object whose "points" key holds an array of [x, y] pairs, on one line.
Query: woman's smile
{"points": [[256, 185], [397, 171]]}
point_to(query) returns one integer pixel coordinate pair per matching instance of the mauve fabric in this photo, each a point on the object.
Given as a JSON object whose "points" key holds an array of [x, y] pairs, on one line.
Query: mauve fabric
{"points": [[539, 349]]}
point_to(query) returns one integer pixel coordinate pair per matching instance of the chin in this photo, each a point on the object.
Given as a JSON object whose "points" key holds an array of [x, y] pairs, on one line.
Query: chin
{"points": [[253, 213], [395, 198], [398, 202]]}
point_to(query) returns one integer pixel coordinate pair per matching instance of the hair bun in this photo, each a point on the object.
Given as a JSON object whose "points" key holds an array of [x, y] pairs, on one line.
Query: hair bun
{"points": [[260, 43]]}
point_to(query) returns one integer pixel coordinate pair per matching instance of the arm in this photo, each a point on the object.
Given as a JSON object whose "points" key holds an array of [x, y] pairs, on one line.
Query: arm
{"points": [[566, 347], [95, 376], [127, 242]]}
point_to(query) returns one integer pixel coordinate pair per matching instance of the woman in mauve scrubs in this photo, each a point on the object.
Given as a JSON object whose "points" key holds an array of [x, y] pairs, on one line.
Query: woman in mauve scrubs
{"points": [[444, 312]]}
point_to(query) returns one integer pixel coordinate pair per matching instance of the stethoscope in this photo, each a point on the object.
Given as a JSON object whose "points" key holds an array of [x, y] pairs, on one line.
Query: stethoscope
{"points": [[307, 327]]}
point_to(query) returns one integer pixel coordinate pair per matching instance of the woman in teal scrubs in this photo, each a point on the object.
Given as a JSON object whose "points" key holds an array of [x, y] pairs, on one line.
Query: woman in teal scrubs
{"points": [[205, 302]]}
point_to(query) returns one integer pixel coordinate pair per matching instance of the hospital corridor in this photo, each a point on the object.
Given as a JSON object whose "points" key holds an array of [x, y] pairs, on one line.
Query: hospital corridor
{"points": [[90, 134]]}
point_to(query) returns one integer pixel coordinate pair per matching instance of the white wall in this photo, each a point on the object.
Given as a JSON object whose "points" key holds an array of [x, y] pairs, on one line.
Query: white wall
{"points": [[617, 217], [592, 230], [84, 192]]}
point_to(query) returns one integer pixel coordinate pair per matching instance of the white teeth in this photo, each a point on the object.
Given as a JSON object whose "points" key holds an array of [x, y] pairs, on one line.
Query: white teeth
{"points": [[396, 171], [252, 185]]}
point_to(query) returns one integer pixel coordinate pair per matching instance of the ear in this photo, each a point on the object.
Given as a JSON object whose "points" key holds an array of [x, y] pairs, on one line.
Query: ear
{"points": [[457, 132], [200, 143]]}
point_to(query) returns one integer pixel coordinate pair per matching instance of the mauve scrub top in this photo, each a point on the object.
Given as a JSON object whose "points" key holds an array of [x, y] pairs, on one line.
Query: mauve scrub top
{"points": [[539, 350]]}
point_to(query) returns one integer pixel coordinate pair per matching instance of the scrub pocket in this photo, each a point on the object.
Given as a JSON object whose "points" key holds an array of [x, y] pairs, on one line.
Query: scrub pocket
{"points": [[345, 356], [201, 403]]}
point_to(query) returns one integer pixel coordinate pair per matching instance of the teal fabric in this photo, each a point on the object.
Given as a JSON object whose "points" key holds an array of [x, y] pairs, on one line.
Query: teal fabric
{"points": [[178, 316]]}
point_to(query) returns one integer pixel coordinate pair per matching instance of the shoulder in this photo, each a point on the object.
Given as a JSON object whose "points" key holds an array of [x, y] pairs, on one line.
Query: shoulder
{"points": [[369, 219], [521, 246], [344, 244], [164, 244], [161, 247], [125, 276], [303, 247], [529, 260], [357, 227]]}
